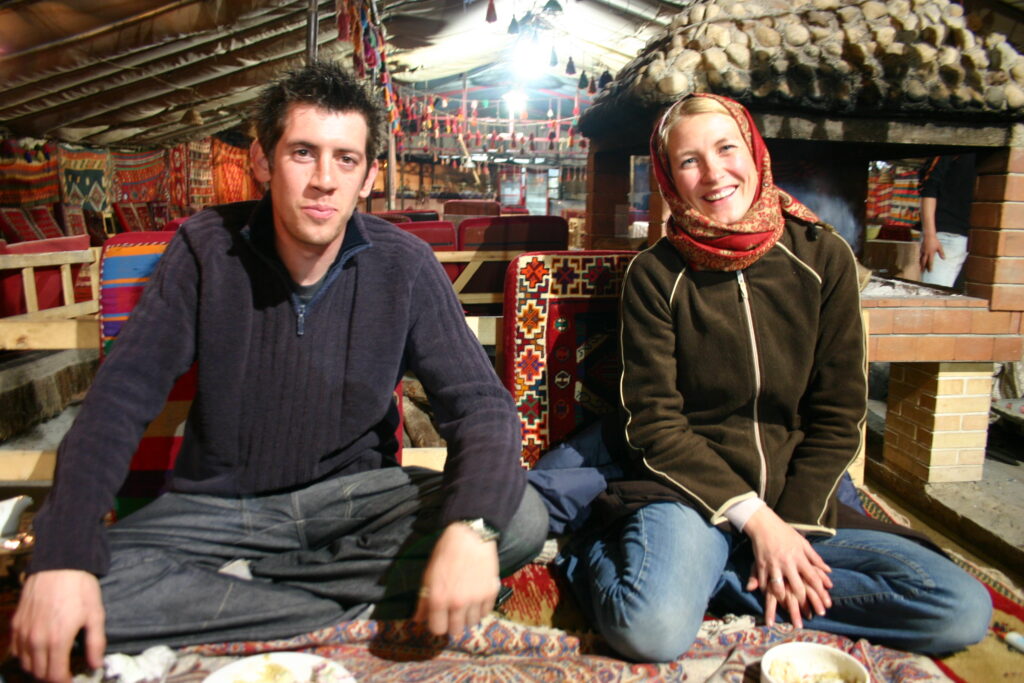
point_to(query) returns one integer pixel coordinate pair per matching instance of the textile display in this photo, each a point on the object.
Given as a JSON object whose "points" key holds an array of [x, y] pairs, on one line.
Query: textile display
{"points": [[561, 342], [16, 226], [28, 173], [177, 180], [86, 176], [74, 219], [200, 174], [44, 221], [133, 216], [232, 175], [140, 176], [879, 199], [906, 202]]}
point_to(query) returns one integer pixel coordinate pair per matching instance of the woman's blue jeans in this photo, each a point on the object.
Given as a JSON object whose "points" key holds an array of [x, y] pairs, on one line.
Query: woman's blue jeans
{"points": [[315, 556], [647, 585]]}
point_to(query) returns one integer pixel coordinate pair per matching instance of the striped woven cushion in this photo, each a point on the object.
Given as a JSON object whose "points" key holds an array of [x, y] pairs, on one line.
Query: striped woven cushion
{"points": [[128, 262]]}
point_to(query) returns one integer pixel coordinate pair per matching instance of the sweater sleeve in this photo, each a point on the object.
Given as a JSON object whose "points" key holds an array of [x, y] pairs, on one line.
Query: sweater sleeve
{"points": [[476, 416], [154, 347], [835, 403], [657, 429]]}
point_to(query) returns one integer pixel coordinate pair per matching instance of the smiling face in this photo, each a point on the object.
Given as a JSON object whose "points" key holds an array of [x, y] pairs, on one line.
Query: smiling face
{"points": [[712, 167], [318, 174]]}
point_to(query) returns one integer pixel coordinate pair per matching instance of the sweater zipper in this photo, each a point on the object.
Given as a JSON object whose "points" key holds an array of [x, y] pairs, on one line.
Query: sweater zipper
{"points": [[300, 320], [745, 297]]}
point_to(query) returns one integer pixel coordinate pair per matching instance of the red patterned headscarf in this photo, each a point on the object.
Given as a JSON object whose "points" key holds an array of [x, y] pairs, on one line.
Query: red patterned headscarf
{"points": [[708, 244]]}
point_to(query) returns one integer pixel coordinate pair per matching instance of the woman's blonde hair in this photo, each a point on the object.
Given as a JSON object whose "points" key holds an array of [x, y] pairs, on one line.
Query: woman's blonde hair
{"points": [[688, 106]]}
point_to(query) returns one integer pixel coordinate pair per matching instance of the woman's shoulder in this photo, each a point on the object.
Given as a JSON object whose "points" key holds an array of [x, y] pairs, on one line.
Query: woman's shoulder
{"points": [[816, 244]]}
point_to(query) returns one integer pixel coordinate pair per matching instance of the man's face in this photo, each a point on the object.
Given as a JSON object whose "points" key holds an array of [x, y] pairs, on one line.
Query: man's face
{"points": [[319, 173]]}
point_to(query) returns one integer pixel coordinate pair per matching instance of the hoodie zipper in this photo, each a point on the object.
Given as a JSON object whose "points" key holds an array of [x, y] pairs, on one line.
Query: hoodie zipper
{"points": [[745, 297]]}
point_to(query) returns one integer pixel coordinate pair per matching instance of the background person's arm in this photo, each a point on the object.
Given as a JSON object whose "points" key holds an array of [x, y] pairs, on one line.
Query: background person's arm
{"points": [[930, 244]]}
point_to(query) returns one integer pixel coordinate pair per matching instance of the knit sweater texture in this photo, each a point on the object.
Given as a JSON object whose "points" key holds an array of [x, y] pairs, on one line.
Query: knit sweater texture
{"points": [[288, 394]]}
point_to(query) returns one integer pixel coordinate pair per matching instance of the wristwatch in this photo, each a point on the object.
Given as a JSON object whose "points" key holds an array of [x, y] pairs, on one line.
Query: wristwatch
{"points": [[484, 530]]}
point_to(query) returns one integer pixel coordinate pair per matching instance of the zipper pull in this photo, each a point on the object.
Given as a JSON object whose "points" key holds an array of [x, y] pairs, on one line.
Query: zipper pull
{"points": [[300, 322], [743, 284]]}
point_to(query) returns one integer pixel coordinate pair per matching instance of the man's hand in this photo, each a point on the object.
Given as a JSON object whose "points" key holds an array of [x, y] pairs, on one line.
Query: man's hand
{"points": [[460, 583], [786, 569], [54, 606]]}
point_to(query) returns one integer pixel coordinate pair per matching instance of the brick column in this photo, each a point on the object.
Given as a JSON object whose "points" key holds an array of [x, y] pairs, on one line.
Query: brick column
{"points": [[936, 424], [995, 266]]}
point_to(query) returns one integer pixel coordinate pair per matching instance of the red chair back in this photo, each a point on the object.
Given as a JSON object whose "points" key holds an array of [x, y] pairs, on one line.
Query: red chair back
{"points": [[440, 235], [507, 233]]}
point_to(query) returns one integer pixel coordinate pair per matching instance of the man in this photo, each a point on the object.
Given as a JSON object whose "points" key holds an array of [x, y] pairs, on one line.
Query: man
{"points": [[947, 190], [286, 512]]}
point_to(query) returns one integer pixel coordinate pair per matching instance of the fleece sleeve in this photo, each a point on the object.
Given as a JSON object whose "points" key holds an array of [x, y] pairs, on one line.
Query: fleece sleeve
{"points": [[835, 403]]}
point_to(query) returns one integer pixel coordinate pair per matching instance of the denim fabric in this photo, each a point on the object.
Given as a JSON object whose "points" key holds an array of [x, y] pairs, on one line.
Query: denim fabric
{"points": [[648, 583], [317, 555], [945, 270]]}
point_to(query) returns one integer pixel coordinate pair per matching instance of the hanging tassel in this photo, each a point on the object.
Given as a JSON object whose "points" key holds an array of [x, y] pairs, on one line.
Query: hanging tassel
{"points": [[583, 81], [570, 67], [492, 14], [605, 79], [554, 58], [592, 89], [551, 141]]}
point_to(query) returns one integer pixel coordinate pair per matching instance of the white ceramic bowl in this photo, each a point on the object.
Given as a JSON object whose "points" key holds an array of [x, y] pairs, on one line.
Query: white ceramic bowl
{"points": [[810, 663]]}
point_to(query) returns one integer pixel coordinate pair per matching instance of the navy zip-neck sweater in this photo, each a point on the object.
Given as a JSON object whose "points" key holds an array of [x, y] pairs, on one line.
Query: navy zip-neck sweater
{"points": [[288, 393]]}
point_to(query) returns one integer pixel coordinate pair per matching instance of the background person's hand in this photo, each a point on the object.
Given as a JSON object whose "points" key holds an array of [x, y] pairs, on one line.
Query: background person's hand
{"points": [[54, 606], [786, 569], [930, 246], [460, 583]]}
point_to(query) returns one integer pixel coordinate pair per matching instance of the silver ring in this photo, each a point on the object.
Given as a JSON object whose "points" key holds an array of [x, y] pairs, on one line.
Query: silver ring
{"points": [[778, 579]]}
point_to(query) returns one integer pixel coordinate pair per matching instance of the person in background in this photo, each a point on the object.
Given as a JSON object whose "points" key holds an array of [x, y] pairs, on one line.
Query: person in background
{"points": [[287, 509], [744, 393], [947, 190]]}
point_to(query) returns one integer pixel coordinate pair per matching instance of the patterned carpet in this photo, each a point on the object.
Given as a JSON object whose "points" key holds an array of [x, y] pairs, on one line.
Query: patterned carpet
{"points": [[520, 647]]}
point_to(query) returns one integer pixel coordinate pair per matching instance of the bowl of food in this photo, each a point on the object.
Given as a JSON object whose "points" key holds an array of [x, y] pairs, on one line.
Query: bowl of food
{"points": [[810, 663]]}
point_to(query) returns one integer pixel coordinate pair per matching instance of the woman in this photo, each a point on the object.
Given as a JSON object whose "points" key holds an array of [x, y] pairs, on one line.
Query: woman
{"points": [[744, 393]]}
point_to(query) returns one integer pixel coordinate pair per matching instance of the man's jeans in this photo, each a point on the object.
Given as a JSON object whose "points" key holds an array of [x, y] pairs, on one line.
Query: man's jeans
{"points": [[648, 584], [317, 556], [945, 270]]}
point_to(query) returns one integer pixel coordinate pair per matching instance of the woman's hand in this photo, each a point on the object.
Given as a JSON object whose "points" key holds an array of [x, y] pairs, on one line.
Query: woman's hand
{"points": [[786, 569]]}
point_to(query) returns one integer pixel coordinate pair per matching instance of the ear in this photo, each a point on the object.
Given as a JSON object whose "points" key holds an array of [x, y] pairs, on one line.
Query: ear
{"points": [[260, 164], [371, 176]]}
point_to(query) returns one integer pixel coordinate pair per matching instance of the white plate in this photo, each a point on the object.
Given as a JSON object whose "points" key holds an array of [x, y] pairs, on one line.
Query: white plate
{"points": [[300, 665]]}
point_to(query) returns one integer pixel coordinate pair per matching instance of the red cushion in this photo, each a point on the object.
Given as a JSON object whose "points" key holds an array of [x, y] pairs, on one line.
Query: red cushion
{"points": [[45, 223], [48, 285], [17, 226]]}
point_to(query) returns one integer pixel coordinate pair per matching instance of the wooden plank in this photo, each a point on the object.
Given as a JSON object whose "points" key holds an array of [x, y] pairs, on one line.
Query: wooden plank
{"points": [[80, 333], [51, 258], [26, 465], [58, 312], [28, 285]]}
